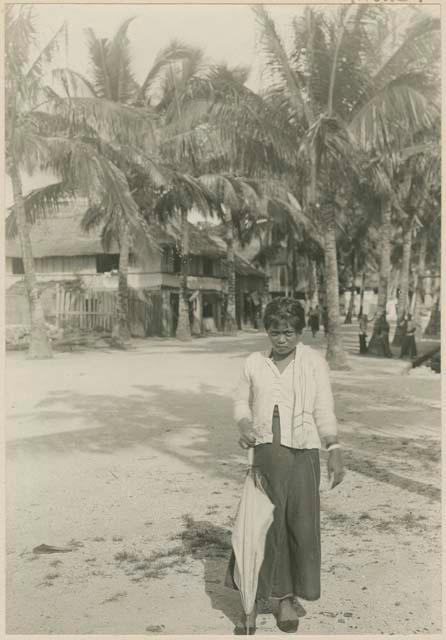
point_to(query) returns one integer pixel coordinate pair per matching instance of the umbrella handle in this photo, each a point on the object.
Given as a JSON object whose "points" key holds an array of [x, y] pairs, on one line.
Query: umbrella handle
{"points": [[251, 456]]}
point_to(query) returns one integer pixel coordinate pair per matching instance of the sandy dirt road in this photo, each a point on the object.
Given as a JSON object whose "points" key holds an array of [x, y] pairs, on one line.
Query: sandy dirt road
{"points": [[131, 460]]}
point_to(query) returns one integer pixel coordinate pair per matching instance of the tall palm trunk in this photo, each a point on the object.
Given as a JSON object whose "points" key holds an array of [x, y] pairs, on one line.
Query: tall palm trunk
{"points": [[183, 328], [375, 347], [351, 303], [335, 351], [404, 282], [230, 318], [313, 284], [39, 346], [361, 296], [121, 329], [293, 268], [419, 284]]}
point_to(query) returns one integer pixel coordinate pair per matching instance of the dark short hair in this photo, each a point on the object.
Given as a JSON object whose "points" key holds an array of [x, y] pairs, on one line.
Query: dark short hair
{"points": [[286, 309]]}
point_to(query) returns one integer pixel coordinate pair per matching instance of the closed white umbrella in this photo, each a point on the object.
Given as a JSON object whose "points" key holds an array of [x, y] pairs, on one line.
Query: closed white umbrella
{"points": [[254, 517]]}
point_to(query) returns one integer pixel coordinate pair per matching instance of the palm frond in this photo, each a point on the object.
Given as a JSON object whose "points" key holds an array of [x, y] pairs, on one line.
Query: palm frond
{"points": [[73, 83], [46, 55], [113, 121], [279, 63], [400, 106], [122, 83], [40, 204], [175, 52], [98, 49], [419, 47]]}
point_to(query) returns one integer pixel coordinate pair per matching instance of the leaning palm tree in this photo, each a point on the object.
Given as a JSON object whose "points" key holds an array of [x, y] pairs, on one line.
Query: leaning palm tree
{"points": [[328, 81]]}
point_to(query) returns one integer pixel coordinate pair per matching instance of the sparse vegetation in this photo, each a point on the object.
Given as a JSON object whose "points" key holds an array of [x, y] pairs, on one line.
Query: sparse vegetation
{"points": [[52, 576], [115, 597], [55, 563], [153, 566]]}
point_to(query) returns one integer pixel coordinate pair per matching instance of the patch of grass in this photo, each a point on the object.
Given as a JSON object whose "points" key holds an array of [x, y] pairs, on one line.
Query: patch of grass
{"points": [[76, 544], [153, 566], [337, 518], [117, 538], [51, 576], [55, 563], [90, 559], [154, 574], [115, 597], [205, 539], [408, 521], [365, 516], [126, 556], [99, 539], [158, 555], [155, 628]]}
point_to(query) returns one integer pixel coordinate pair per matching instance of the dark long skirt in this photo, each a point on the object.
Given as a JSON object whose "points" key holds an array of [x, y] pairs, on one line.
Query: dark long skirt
{"points": [[362, 344], [408, 347], [292, 562]]}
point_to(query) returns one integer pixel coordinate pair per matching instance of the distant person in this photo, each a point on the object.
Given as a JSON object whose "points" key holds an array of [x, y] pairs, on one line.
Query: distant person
{"points": [[313, 320], [408, 346], [363, 326], [383, 335], [325, 319]]}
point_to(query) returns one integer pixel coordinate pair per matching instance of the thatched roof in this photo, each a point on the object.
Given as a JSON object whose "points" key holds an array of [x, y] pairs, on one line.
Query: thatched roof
{"points": [[60, 235]]}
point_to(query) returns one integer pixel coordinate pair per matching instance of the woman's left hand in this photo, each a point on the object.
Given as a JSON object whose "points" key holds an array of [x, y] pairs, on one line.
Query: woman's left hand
{"points": [[335, 466]]}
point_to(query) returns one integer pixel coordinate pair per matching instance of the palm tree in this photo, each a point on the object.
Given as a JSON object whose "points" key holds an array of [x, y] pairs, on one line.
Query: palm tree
{"points": [[239, 200], [22, 83], [329, 81], [355, 247], [176, 201], [63, 135], [417, 176], [113, 82]]}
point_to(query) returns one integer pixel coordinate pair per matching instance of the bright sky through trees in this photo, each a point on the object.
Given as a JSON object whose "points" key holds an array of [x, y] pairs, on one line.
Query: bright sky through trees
{"points": [[227, 33]]}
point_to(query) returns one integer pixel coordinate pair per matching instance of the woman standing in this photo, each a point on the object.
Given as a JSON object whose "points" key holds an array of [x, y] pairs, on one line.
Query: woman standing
{"points": [[284, 408]]}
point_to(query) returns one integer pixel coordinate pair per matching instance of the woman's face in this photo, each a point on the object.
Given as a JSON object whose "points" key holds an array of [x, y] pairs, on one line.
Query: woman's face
{"points": [[283, 337]]}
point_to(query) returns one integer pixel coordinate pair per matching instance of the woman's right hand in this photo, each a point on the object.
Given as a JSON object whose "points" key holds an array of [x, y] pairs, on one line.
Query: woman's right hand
{"points": [[247, 434]]}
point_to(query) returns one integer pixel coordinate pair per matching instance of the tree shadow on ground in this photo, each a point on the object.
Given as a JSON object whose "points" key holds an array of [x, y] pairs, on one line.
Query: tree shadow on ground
{"points": [[195, 427], [210, 544], [232, 347]]}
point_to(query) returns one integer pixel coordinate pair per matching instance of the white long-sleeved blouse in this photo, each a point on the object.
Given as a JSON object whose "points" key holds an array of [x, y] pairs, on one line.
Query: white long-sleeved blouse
{"points": [[302, 393]]}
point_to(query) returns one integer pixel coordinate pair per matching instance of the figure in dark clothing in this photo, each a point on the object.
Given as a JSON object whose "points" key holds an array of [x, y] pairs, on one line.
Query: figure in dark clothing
{"points": [[363, 324], [408, 345], [313, 320], [383, 335]]}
